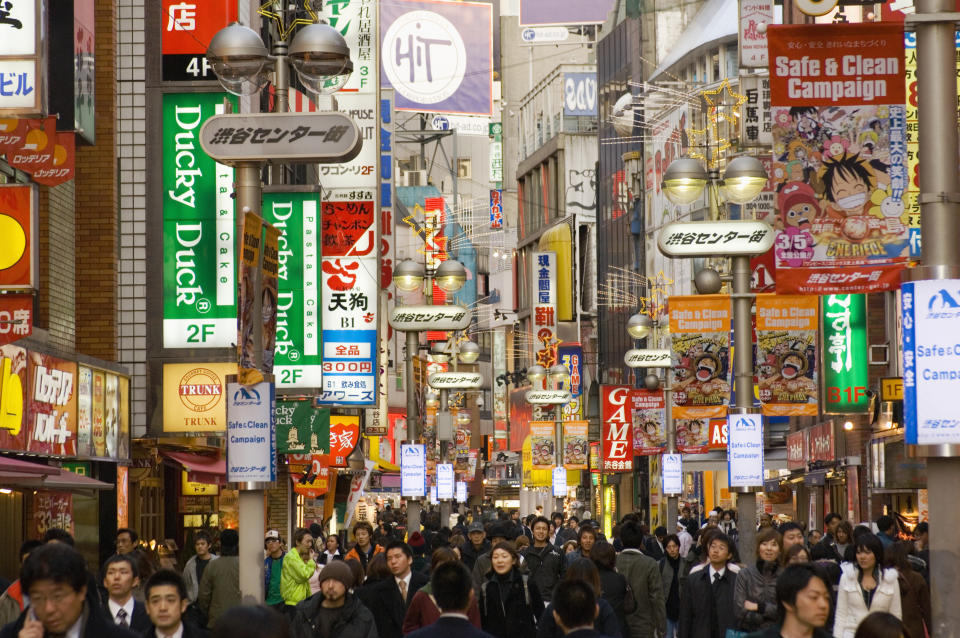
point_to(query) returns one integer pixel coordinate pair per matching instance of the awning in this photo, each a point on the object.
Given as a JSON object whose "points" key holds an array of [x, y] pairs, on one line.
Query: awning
{"points": [[200, 468], [19, 474], [15, 466]]}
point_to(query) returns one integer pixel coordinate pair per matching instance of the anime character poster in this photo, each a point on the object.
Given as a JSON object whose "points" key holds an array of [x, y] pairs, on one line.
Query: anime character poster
{"points": [[575, 444], [541, 442], [840, 157], [787, 354], [700, 326], [649, 417], [693, 435]]}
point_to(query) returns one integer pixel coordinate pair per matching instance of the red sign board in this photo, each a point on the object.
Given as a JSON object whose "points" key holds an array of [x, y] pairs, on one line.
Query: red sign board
{"points": [[617, 428], [316, 478], [52, 509], [821, 442], [51, 405], [187, 28], [797, 450], [17, 236], [344, 435], [348, 229], [836, 64], [718, 434], [16, 317]]}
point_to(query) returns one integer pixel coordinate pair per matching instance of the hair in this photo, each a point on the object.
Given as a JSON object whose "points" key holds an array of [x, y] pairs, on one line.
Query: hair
{"points": [[880, 624], [406, 549], [229, 542], [885, 522], [726, 540], [457, 540], [923, 527], [586, 529], [440, 556], [522, 542], [604, 555], [789, 527], [795, 578], [575, 602], [671, 538], [377, 567], [849, 167], [871, 543], [202, 535], [58, 562], [540, 519], [335, 537], [27, 548], [829, 518], [120, 558], [166, 577], [897, 555], [566, 546], [362, 525], [768, 534], [821, 551], [631, 535], [357, 570], [814, 531], [859, 530], [574, 519], [134, 537], [299, 533], [508, 547], [59, 535], [583, 569], [451, 584], [251, 621], [557, 515], [315, 530], [847, 529], [794, 550]]}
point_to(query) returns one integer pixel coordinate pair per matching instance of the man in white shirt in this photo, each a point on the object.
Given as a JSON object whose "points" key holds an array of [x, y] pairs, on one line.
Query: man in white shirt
{"points": [[119, 578], [167, 600]]}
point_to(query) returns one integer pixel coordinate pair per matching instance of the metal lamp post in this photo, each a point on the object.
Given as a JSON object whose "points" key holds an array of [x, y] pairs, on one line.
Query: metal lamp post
{"points": [[241, 63], [683, 183]]}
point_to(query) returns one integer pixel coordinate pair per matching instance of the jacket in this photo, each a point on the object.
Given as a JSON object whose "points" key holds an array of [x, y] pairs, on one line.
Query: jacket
{"points": [[613, 587], [447, 626], [190, 577], [851, 607], [11, 603], [606, 622], [653, 549], [423, 611], [269, 562], [482, 567], [389, 609], [360, 556], [139, 621], [189, 631], [587, 633], [697, 603], [512, 614], [97, 625], [774, 632], [643, 576], [469, 553], [757, 583], [545, 566], [355, 621], [295, 580], [219, 588], [914, 601]]}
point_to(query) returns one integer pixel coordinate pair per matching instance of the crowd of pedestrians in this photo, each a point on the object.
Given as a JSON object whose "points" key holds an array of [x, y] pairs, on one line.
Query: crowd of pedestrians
{"points": [[535, 577]]}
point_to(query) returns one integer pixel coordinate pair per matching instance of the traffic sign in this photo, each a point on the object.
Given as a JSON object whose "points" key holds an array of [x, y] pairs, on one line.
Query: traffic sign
{"points": [[710, 238]]}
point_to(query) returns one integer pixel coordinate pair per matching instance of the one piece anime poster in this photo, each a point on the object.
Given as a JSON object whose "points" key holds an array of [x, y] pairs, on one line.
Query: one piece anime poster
{"points": [[649, 417], [787, 354], [693, 435], [576, 443], [541, 443], [700, 326]]}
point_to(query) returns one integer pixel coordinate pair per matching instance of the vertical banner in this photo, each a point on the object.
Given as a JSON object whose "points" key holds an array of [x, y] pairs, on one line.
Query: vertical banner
{"points": [[246, 322], [745, 450], [84, 411], [413, 470], [99, 432], [199, 236], [845, 372], [672, 474], [297, 340], [344, 436], [616, 429], [543, 278], [541, 444], [559, 480], [496, 209], [251, 444], [445, 481], [18, 242], [461, 491], [123, 496], [270, 291], [700, 326], [357, 485], [930, 378], [787, 354], [499, 362], [840, 153], [693, 435], [576, 440], [570, 356], [649, 422]]}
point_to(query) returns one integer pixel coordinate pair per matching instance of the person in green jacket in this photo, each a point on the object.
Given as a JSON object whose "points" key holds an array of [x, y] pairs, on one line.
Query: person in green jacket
{"points": [[298, 567]]}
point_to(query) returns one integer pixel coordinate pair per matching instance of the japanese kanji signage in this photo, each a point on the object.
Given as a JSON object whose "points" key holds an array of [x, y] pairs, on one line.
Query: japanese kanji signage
{"points": [[251, 444], [616, 431], [84, 71], [845, 372], [251, 242], [438, 55], [451, 380], [52, 405], [344, 436], [547, 397], [797, 449], [18, 241], [787, 354], [199, 237], [417, 318], [496, 209], [753, 37], [359, 170], [103, 427], [21, 80], [306, 138], [635, 358], [16, 317], [302, 428], [700, 326], [756, 125], [188, 26], [52, 510], [543, 291], [704, 239], [931, 382], [356, 20], [298, 360]]}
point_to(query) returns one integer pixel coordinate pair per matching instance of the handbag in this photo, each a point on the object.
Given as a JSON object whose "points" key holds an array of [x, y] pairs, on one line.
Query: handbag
{"points": [[629, 601]]}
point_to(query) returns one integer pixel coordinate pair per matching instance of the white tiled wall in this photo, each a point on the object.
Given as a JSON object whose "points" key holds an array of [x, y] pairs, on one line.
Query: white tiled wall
{"points": [[131, 151]]}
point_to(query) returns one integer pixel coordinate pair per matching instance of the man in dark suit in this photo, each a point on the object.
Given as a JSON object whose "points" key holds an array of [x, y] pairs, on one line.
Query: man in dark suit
{"points": [[120, 577], [54, 576], [167, 600], [653, 547], [452, 587], [389, 598], [706, 606], [575, 608]]}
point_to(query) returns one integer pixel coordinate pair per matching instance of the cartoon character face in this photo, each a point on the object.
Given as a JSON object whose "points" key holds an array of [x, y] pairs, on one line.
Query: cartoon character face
{"points": [[682, 370], [808, 127], [849, 193], [792, 366], [707, 366], [891, 208], [801, 215]]}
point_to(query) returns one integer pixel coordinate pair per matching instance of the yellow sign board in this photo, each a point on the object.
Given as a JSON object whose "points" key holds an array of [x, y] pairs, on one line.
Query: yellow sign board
{"points": [[891, 389], [192, 488], [193, 396]]}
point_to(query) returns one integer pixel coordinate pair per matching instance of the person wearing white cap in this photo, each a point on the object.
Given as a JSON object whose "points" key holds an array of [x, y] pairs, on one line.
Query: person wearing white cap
{"points": [[272, 570]]}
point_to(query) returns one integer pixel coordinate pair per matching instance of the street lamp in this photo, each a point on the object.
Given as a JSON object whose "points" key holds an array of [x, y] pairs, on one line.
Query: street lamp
{"points": [[439, 353], [684, 180], [536, 374], [469, 352], [744, 179], [409, 275], [450, 275], [639, 325]]}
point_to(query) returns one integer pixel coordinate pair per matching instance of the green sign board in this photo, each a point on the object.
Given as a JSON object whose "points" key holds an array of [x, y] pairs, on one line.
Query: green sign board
{"points": [[298, 357], [199, 237], [845, 380], [78, 467], [302, 428]]}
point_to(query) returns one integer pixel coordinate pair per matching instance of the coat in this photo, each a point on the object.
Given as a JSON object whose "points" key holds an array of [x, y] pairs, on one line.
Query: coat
{"points": [[697, 601], [219, 588], [605, 624], [469, 553], [643, 576], [447, 626], [359, 556], [423, 611], [666, 577], [139, 621], [98, 625], [915, 602], [757, 583], [389, 609], [355, 621], [614, 590], [481, 568], [851, 608], [295, 578], [190, 577], [545, 566], [189, 631], [518, 616], [652, 549]]}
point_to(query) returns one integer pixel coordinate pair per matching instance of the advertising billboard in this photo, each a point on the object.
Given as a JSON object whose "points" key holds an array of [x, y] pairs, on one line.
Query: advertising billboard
{"points": [[193, 396]]}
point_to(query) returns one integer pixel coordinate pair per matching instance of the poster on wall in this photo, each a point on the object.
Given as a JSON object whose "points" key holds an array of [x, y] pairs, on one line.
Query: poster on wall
{"points": [[700, 326], [14, 393], [840, 157], [50, 510], [52, 407], [787, 354], [84, 411]]}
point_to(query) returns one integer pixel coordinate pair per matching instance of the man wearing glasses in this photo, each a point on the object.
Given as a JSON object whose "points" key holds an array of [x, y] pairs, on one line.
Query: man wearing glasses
{"points": [[298, 567], [273, 569]]}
